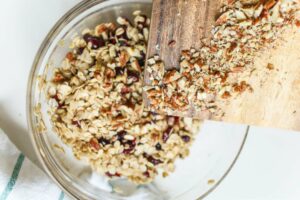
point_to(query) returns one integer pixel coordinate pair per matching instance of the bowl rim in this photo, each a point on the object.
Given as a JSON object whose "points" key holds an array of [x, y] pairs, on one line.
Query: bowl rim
{"points": [[54, 31]]}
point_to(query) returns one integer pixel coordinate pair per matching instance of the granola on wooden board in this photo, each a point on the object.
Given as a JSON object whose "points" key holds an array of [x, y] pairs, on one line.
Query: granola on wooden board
{"points": [[97, 107], [218, 71]]}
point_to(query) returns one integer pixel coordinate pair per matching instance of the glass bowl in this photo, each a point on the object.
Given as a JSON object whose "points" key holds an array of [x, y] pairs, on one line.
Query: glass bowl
{"points": [[212, 155]]}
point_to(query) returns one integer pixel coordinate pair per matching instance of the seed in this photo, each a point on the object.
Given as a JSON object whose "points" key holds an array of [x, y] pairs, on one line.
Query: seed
{"points": [[185, 138], [158, 147]]}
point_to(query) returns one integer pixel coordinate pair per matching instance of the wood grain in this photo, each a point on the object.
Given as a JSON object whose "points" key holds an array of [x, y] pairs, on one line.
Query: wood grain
{"points": [[181, 22], [275, 101]]}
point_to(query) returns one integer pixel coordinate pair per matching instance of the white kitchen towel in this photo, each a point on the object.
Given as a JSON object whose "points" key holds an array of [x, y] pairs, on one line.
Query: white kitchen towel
{"points": [[20, 179]]}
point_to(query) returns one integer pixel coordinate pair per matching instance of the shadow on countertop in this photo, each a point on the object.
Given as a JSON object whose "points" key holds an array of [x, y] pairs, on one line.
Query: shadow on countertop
{"points": [[18, 135]]}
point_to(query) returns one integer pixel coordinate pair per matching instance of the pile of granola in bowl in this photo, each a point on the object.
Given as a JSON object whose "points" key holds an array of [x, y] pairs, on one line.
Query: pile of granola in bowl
{"points": [[96, 105], [156, 142]]}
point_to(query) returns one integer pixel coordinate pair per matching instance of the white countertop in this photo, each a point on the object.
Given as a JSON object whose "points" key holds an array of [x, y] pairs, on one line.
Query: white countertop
{"points": [[267, 169]]}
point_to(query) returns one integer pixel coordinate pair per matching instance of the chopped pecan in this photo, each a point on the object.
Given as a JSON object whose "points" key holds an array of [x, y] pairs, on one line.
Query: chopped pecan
{"points": [[171, 76], [124, 58]]}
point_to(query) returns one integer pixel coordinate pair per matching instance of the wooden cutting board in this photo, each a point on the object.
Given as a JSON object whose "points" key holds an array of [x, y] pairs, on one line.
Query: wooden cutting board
{"points": [[177, 25], [275, 100]]}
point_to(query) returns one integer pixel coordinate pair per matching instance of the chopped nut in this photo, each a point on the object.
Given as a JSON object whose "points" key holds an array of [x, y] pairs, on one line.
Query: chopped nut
{"points": [[124, 58], [220, 69], [270, 66], [226, 95], [211, 181]]}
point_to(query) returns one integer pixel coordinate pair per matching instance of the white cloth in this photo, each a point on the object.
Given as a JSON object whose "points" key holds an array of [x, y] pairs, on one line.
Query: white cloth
{"points": [[21, 179]]}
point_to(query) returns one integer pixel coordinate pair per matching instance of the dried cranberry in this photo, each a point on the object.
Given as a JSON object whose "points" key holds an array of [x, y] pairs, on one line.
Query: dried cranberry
{"points": [[120, 135], [56, 98], [87, 37], [131, 145], [185, 138], [112, 41], [76, 123], [119, 71], [96, 42], [112, 175], [125, 90], [153, 160], [158, 147], [129, 104], [177, 119], [133, 76], [103, 141], [166, 134], [147, 174]]}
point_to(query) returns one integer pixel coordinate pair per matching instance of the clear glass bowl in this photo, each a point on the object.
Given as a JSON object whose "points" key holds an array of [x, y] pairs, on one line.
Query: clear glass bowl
{"points": [[212, 154]]}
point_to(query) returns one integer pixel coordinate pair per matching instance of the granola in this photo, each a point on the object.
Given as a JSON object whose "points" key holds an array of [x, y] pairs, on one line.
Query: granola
{"points": [[219, 70], [96, 105]]}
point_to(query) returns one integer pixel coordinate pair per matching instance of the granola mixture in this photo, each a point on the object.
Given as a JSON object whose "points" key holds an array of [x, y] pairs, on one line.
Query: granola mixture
{"points": [[219, 70], [96, 105]]}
